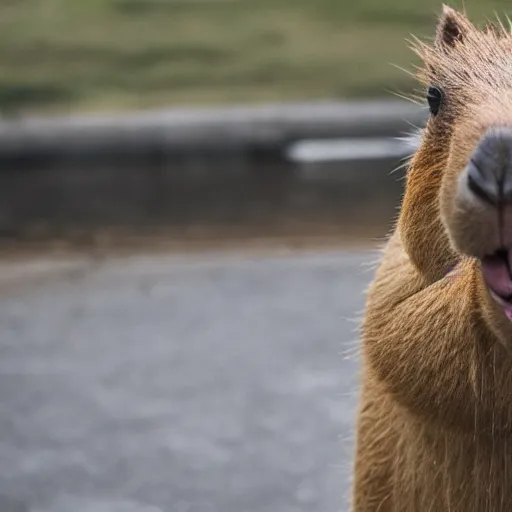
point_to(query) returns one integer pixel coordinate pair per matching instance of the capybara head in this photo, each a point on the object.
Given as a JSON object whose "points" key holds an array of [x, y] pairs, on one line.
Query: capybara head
{"points": [[460, 183]]}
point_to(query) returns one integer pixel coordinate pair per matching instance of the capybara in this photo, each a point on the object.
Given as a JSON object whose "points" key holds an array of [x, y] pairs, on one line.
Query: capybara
{"points": [[434, 429]]}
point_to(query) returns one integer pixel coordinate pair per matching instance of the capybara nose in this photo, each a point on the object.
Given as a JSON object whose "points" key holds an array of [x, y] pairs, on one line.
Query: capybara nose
{"points": [[489, 171]]}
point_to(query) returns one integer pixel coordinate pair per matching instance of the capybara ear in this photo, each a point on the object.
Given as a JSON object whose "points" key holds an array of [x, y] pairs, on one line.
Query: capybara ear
{"points": [[451, 28]]}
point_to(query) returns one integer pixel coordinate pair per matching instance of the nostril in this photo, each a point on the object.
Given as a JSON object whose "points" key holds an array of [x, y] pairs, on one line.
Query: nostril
{"points": [[489, 172], [483, 185], [506, 192]]}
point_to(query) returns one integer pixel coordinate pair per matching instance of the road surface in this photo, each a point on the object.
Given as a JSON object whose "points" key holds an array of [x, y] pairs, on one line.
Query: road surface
{"points": [[180, 383]]}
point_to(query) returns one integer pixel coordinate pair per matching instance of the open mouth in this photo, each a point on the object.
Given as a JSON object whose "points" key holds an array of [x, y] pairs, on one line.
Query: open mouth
{"points": [[497, 273]]}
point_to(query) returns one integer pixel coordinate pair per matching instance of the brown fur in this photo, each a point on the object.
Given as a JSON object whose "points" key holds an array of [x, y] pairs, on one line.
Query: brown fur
{"points": [[435, 417]]}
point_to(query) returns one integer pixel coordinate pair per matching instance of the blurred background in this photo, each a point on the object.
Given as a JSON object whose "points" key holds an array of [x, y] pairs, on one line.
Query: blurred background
{"points": [[192, 193], [60, 55]]}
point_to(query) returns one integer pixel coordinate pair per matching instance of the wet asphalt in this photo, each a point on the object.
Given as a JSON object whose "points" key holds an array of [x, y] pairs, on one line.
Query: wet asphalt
{"points": [[180, 383]]}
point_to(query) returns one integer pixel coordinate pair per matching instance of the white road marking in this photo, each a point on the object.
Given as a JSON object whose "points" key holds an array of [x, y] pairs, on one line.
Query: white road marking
{"points": [[316, 151]]}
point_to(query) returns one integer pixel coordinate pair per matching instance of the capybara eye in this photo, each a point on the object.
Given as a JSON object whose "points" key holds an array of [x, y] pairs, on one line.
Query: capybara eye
{"points": [[434, 98]]}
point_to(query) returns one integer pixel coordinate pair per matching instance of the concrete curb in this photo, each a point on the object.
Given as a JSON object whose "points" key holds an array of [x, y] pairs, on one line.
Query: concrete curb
{"points": [[175, 132], [212, 170]]}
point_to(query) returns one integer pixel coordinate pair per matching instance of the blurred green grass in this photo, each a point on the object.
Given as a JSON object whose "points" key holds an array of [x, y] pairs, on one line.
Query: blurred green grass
{"points": [[129, 54]]}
